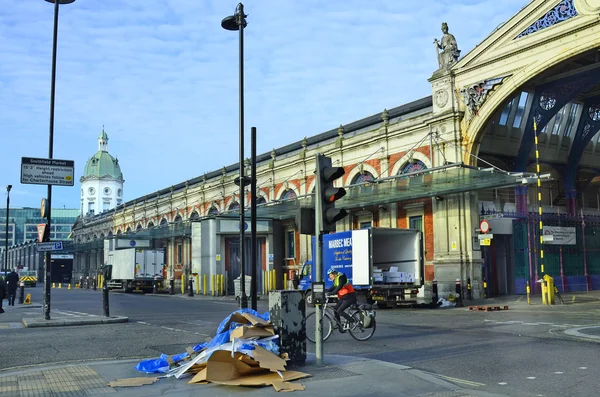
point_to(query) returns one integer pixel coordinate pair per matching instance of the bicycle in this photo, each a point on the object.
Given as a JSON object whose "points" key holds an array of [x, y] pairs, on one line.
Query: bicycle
{"points": [[361, 329]]}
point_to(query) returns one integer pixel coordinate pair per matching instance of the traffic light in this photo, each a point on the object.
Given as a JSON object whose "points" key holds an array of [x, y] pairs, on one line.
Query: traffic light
{"points": [[327, 194]]}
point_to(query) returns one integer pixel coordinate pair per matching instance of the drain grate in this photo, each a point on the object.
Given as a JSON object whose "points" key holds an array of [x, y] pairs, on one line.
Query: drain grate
{"points": [[330, 373]]}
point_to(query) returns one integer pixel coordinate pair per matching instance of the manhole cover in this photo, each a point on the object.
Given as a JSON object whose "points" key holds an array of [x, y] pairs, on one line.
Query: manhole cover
{"points": [[330, 373]]}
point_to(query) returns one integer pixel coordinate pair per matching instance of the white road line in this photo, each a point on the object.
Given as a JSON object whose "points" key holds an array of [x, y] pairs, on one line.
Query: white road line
{"points": [[559, 372], [502, 383], [531, 377], [582, 367]]}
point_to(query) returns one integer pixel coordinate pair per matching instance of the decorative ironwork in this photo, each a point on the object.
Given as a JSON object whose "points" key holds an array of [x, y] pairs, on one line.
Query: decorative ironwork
{"points": [[594, 112], [586, 130], [563, 11], [413, 166], [547, 100], [475, 95]]}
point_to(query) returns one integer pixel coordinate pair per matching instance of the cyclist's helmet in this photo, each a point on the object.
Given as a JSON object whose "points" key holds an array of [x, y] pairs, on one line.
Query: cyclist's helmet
{"points": [[331, 270]]}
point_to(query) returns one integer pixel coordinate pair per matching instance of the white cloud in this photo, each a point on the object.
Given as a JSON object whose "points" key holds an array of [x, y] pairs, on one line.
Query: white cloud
{"points": [[162, 77]]}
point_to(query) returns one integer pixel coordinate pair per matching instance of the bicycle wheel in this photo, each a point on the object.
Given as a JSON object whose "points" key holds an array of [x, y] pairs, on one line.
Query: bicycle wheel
{"points": [[360, 333], [311, 326]]}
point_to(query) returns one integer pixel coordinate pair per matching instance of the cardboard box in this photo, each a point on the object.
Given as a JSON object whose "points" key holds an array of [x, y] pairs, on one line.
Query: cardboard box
{"points": [[251, 332]]}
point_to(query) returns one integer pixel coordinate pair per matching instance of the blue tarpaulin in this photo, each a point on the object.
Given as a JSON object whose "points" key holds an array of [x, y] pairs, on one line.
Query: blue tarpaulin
{"points": [[160, 364]]}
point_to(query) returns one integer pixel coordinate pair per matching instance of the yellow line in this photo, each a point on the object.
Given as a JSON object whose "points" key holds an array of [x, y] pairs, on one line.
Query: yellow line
{"points": [[457, 380]]}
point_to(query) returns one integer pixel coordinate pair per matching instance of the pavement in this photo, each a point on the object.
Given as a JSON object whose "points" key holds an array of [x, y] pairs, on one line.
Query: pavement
{"points": [[341, 376]]}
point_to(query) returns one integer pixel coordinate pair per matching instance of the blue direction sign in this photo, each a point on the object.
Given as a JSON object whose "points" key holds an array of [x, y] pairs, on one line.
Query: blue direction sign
{"points": [[50, 246]]}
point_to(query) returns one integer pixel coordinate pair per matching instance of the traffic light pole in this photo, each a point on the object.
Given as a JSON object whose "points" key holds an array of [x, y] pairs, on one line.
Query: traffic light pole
{"points": [[318, 259]]}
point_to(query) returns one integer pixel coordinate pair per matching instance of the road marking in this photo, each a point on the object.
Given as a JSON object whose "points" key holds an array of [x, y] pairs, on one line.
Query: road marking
{"points": [[531, 377], [575, 332], [520, 299], [142, 322], [573, 299], [457, 380], [531, 324], [74, 314], [559, 372], [502, 383], [582, 367], [171, 329]]}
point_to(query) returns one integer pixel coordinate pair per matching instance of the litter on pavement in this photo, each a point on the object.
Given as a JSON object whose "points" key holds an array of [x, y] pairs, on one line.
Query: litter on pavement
{"points": [[244, 352]]}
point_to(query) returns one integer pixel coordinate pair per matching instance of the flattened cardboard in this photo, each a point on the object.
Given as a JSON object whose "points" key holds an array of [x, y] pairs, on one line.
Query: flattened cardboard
{"points": [[246, 332], [131, 382], [264, 379], [246, 318], [255, 320], [220, 366], [287, 386], [268, 360]]}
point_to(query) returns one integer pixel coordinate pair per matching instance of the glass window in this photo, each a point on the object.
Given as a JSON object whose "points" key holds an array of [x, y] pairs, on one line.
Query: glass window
{"points": [[91, 208], [179, 254], [416, 222], [106, 206], [506, 113], [365, 225], [571, 119], [520, 109], [557, 120], [290, 244]]}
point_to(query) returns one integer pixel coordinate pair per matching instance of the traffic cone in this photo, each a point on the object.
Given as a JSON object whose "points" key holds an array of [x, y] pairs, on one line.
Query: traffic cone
{"points": [[27, 299], [59, 285], [69, 287]]}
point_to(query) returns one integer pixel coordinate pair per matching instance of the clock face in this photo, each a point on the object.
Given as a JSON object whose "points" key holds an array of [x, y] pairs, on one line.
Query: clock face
{"points": [[92, 190]]}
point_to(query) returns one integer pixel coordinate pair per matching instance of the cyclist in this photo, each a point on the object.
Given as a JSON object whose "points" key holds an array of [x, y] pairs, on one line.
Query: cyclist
{"points": [[345, 293]]}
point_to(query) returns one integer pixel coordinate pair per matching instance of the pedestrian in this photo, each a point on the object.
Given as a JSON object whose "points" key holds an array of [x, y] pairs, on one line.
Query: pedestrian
{"points": [[2, 292], [12, 284]]}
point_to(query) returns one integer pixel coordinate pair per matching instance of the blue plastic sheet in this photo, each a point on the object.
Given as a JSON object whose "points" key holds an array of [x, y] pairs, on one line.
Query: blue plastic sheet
{"points": [[160, 364]]}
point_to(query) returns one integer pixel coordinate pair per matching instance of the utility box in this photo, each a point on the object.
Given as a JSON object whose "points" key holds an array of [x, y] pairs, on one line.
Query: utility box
{"points": [[288, 316]]}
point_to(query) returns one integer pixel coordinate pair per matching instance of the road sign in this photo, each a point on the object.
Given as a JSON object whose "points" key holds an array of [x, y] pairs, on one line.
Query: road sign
{"points": [[486, 242], [485, 236], [51, 246], [36, 171], [41, 228], [484, 226]]}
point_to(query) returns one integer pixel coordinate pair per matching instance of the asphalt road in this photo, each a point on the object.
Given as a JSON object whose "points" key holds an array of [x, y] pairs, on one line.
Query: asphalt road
{"points": [[522, 352]]}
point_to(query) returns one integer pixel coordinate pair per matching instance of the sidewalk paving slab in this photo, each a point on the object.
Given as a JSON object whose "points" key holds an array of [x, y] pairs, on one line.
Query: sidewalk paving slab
{"points": [[342, 376]]}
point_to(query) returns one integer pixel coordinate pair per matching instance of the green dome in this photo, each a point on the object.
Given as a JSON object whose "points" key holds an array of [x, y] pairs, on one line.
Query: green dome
{"points": [[101, 165]]}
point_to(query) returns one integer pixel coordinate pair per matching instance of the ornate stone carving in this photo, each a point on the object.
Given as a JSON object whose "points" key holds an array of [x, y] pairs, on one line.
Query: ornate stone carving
{"points": [[475, 95], [587, 7], [449, 49], [441, 98]]}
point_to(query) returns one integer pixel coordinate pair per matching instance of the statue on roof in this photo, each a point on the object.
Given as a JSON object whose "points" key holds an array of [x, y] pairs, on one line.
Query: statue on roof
{"points": [[449, 49]]}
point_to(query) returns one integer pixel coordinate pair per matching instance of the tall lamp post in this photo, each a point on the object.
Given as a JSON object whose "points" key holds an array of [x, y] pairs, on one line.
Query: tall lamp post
{"points": [[237, 22], [47, 263], [6, 230]]}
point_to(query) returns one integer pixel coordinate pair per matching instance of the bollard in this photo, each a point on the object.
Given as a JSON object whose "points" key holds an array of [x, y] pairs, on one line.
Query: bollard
{"points": [[205, 284], [469, 296], [434, 285], [284, 280], [197, 284], [87, 282], [22, 293], [69, 286], [223, 285], [459, 302], [265, 282], [213, 285], [191, 287], [528, 289], [59, 285], [53, 285], [544, 299], [484, 288], [155, 286], [182, 284], [94, 283], [172, 285], [105, 299]]}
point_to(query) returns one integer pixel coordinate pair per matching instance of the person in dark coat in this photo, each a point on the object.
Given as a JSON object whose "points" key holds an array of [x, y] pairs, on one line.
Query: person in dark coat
{"points": [[12, 284], [2, 292]]}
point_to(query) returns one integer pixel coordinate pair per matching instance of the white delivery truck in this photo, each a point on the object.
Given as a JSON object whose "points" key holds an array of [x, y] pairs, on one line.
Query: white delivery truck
{"points": [[386, 265], [134, 269]]}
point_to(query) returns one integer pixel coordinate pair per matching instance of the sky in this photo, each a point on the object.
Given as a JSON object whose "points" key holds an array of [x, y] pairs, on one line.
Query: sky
{"points": [[161, 77]]}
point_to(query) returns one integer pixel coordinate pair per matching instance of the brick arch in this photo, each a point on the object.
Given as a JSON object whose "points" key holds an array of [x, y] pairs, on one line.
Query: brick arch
{"points": [[402, 161], [281, 189], [356, 170]]}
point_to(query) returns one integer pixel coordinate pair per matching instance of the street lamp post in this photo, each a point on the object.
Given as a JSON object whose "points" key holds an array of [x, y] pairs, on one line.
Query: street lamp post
{"points": [[47, 263], [6, 230], [237, 22]]}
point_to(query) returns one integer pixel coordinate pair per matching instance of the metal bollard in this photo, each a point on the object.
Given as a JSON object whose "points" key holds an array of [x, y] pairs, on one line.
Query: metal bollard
{"points": [[458, 293], [435, 290], [191, 287], [105, 299], [469, 296], [87, 282], [172, 291], [484, 288], [94, 283], [155, 287], [528, 293], [22, 293]]}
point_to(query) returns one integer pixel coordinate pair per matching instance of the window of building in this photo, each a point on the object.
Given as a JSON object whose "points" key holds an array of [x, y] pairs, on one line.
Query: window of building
{"points": [[290, 244], [413, 166], [505, 113], [520, 109], [558, 119], [289, 194], [179, 254], [573, 112], [416, 222], [105, 205], [364, 225], [91, 208]]}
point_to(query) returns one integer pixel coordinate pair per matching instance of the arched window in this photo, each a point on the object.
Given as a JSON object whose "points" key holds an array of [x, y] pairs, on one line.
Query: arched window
{"points": [[128, 229], [234, 206], [363, 179], [289, 194], [150, 224], [139, 227], [213, 211], [119, 232], [163, 222], [413, 166], [178, 218], [194, 216], [261, 200], [110, 234]]}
